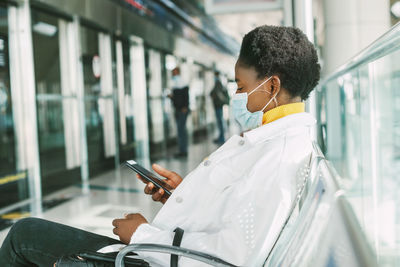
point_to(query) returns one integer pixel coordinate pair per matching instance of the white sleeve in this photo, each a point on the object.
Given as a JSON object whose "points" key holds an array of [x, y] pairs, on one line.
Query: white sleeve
{"points": [[247, 217]]}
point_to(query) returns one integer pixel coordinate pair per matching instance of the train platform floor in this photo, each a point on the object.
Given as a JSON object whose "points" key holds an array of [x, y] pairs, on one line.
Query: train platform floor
{"points": [[112, 194]]}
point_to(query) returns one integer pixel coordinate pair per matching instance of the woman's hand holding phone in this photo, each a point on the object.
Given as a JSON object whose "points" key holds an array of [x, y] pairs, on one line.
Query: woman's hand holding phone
{"points": [[172, 179]]}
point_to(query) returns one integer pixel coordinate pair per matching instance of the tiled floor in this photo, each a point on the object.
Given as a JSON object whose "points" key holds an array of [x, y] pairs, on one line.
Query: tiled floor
{"points": [[114, 193]]}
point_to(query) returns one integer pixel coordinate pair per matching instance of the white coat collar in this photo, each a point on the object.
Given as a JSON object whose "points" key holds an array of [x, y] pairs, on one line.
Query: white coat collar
{"points": [[278, 127]]}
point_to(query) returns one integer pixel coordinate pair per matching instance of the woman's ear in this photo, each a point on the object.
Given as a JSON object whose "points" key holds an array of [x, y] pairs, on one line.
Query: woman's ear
{"points": [[275, 85]]}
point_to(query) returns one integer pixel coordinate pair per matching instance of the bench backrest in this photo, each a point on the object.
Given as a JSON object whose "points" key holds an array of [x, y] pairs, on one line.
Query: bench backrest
{"points": [[325, 232], [304, 177]]}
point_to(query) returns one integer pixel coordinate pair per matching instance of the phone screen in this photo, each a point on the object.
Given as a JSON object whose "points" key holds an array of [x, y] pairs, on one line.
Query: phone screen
{"points": [[149, 176]]}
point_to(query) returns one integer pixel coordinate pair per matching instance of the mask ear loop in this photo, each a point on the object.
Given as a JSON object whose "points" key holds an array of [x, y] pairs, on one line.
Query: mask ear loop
{"points": [[273, 98], [276, 101], [260, 86]]}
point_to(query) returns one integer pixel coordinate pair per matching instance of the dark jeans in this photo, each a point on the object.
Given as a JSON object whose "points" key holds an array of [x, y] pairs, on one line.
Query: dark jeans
{"points": [[34, 241], [181, 118], [220, 124]]}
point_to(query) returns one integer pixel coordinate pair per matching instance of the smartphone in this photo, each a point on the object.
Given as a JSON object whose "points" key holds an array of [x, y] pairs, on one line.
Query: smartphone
{"points": [[150, 177]]}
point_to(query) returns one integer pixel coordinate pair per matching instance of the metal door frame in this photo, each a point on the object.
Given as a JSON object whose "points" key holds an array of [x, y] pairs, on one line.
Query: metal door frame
{"points": [[139, 95], [23, 91]]}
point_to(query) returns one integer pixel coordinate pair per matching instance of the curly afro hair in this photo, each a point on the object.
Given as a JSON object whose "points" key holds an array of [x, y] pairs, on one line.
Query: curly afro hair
{"points": [[285, 52]]}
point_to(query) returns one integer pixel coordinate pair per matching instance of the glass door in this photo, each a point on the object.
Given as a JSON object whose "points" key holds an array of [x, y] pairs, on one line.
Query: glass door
{"points": [[52, 113], [198, 95], [98, 98], [13, 184], [125, 101], [169, 63], [155, 103]]}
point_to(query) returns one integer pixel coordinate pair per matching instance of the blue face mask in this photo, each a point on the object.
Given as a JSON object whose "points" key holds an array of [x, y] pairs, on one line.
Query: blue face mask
{"points": [[246, 119], [176, 78]]}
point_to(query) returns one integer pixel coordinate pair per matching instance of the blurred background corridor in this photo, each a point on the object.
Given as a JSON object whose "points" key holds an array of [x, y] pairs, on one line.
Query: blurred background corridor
{"points": [[85, 85]]}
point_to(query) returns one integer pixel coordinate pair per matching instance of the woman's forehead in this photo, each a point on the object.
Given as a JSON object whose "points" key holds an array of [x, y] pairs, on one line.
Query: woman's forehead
{"points": [[244, 73]]}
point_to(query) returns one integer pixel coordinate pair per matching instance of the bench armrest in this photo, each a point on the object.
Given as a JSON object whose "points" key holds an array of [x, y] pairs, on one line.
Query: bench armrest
{"points": [[193, 254]]}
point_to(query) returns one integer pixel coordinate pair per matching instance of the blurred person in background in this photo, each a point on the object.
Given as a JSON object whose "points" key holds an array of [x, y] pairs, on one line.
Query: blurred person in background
{"points": [[220, 97], [180, 100]]}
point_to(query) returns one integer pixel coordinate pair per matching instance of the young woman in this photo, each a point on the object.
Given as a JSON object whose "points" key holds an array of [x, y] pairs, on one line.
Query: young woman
{"points": [[236, 198]]}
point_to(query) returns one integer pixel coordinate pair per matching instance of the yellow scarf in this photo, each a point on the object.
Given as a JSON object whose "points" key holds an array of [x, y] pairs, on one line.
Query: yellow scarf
{"points": [[282, 111]]}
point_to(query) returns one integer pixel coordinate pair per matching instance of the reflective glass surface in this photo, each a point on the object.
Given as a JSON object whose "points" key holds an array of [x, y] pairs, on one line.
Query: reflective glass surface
{"points": [[45, 35], [367, 149], [198, 97], [7, 142], [155, 102], [127, 151], [13, 183], [169, 119], [128, 93], [93, 103]]}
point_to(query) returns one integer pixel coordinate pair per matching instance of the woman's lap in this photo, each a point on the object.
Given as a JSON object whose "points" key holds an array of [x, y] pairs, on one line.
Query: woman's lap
{"points": [[41, 242]]}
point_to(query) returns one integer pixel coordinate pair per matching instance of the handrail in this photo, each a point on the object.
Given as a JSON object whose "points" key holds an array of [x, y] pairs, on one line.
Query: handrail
{"points": [[384, 45], [358, 240], [357, 237], [331, 198]]}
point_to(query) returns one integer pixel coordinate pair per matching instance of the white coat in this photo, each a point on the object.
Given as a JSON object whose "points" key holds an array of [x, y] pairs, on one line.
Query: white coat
{"points": [[237, 197]]}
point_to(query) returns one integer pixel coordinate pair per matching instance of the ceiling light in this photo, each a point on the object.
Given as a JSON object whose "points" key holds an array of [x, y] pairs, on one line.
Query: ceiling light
{"points": [[395, 9], [45, 29]]}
